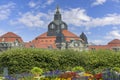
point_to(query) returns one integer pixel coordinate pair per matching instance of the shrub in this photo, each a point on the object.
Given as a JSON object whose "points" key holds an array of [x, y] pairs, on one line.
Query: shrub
{"points": [[78, 68], [36, 70], [117, 69], [23, 60]]}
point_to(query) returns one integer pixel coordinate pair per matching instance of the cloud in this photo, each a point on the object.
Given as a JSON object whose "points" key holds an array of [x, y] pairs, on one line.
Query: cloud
{"points": [[5, 10], [98, 42], [38, 4], [49, 2], [2, 32], [114, 34], [98, 2], [32, 4], [30, 19], [88, 32], [75, 16], [110, 19], [78, 17]]}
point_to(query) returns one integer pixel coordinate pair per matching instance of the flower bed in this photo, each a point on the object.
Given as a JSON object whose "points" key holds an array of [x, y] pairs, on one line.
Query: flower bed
{"points": [[78, 74], [67, 76]]}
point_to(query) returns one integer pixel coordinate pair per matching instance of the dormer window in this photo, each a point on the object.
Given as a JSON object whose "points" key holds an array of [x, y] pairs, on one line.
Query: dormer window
{"points": [[62, 26], [16, 42], [52, 26]]}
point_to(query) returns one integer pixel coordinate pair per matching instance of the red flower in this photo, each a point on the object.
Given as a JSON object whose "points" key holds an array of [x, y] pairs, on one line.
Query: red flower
{"points": [[68, 75], [98, 76]]}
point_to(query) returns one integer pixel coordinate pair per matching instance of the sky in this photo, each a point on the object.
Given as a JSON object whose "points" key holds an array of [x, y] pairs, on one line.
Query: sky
{"points": [[98, 19]]}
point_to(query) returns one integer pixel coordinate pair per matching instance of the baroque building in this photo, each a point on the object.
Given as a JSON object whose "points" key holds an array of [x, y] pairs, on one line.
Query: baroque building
{"points": [[112, 45], [10, 40], [59, 37]]}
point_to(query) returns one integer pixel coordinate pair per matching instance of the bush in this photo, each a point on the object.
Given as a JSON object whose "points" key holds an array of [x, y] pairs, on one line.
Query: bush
{"points": [[117, 69], [23, 60], [36, 70], [78, 68]]}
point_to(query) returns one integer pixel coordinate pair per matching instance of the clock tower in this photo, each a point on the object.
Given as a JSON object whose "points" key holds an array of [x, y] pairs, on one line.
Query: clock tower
{"points": [[57, 25]]}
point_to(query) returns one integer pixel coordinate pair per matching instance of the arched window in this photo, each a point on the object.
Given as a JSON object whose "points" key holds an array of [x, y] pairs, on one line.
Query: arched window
{"points": [[3, 39], [16, 42]]}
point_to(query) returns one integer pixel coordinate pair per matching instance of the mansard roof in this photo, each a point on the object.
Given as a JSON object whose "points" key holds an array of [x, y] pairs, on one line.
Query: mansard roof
{"points": [[66, 33], [10, 34], [115, 42], [10, 37]]}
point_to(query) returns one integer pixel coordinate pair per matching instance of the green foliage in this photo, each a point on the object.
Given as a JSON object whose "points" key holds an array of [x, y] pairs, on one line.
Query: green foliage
{"points": [[117, 69], [23, 60], [78, 68], [36, 70]]}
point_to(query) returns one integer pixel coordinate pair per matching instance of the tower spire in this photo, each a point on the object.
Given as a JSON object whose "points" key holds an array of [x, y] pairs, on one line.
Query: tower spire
{"points": [[57, 15], [57, 9]]}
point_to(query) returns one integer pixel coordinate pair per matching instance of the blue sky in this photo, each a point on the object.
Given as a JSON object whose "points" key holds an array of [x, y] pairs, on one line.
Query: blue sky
{"points": [[99, 19]]}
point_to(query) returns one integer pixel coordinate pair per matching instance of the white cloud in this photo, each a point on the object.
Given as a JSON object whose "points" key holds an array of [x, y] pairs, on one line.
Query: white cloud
{"points": [[98, 2], [5, 10], [2, 32], [75, 16], [114, 34], [78, 17], [98, 42], [89, 33], [32, 4], [111, 19], [49, 2], [39, 4], [30, 19]]}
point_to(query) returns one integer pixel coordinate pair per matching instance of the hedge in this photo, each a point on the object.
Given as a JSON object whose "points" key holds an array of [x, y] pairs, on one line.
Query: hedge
{"points": [[24, 59]]}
